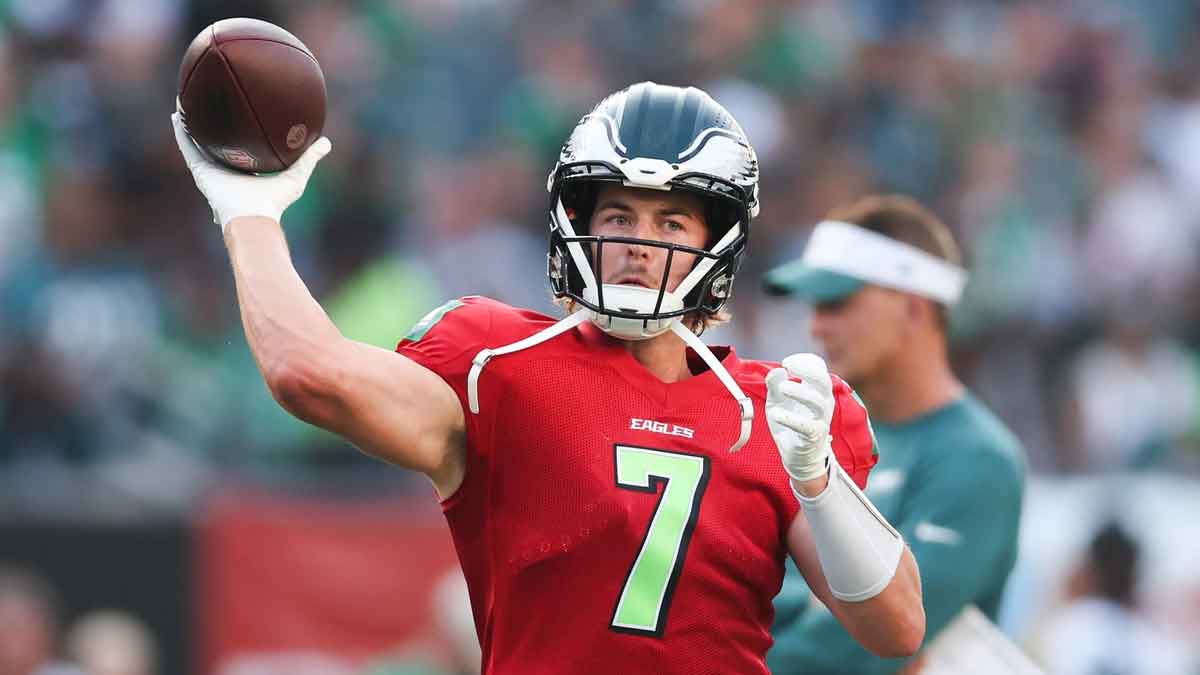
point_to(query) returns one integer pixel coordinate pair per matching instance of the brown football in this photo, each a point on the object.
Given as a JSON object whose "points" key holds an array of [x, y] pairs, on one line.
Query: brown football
{"points": [[251, 94]]}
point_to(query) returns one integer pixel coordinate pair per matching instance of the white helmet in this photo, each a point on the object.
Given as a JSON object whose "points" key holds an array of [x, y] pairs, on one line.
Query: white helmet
{"points": [[653, 136]]}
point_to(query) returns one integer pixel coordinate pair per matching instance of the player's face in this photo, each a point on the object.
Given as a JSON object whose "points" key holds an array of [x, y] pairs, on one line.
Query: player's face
{"points": [[861, 333], [672, 217]]}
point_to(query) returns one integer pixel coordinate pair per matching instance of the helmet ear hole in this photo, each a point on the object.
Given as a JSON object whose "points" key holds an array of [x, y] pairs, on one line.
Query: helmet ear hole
{"points": [[565, 278], [556, 270], [715, 291]]}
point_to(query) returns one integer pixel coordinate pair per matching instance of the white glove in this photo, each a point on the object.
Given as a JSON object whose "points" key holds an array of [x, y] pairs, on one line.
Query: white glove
{"points": [[232, 194], [799, 414]]}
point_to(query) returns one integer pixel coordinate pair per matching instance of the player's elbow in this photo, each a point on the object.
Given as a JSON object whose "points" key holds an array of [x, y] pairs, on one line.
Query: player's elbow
{"points": [[907, 632], [304, 388]]}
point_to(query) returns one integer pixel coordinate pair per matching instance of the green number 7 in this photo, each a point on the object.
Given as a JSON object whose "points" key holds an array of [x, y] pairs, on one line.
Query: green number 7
{"points": [[646, 596]]}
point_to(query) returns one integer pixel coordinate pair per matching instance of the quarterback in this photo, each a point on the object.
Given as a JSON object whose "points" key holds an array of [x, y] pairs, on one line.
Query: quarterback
{"points": [[614, 487]]}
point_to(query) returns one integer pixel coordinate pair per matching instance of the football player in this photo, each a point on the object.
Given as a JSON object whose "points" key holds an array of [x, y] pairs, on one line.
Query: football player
{"points": [[613, 486], [882, 274]]}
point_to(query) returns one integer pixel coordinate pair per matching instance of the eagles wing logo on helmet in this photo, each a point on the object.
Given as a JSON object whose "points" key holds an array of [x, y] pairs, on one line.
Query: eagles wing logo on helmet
{"points": [[654, 136]]}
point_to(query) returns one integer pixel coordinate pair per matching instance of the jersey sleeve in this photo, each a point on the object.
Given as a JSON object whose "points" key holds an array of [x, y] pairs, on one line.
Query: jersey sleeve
{"points": [[853, 440], [444, 337], [444, 342]]}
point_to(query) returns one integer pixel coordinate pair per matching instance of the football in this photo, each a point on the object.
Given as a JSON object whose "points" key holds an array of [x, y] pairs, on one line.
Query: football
{"points": [[251, 95]]}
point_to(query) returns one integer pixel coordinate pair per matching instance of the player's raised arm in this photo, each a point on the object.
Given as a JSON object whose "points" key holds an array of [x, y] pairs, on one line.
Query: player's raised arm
{"points": [[851, 557], [387, 405]]}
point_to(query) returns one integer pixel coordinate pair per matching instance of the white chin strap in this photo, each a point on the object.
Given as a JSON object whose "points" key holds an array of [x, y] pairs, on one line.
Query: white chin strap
{"points": [[481, 359], [745, 405]]}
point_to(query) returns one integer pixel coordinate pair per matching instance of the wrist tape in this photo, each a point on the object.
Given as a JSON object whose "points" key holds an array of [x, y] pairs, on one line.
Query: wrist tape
{"points": [[858, 549]]}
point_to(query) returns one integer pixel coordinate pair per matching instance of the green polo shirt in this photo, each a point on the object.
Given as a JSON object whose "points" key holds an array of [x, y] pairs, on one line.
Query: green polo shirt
{"points": [[951, 482]]}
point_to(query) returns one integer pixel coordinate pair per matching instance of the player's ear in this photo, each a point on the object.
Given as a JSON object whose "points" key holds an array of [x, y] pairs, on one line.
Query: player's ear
{"points": [[916, 309], [923, 310]]}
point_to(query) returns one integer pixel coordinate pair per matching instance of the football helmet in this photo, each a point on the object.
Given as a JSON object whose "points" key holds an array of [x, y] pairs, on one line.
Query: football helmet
{"points": [[659, 137]]}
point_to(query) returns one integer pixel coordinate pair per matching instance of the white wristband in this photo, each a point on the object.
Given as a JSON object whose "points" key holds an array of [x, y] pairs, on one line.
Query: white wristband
{"points": [[858, 549], [233, 195]]}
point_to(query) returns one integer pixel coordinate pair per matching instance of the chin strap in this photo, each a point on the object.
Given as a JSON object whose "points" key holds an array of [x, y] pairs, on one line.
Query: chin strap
{"points": [[572, 320], [744, 402]]}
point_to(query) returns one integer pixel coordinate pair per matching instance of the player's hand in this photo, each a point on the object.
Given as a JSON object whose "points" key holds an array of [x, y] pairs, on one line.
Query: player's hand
{"points": [[799, 414], [232, 194]]}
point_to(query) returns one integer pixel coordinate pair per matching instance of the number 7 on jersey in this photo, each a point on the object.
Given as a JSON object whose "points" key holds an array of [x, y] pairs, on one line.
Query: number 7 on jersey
{"points": [[646, 595]]}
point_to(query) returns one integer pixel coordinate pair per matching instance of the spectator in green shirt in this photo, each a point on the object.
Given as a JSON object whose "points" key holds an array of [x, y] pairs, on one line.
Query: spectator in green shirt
{"points": [[882, 274]]}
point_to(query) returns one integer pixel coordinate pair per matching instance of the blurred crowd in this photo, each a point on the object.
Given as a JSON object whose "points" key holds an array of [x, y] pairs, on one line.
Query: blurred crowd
{"points": [[1059, 139], [33, 631]]}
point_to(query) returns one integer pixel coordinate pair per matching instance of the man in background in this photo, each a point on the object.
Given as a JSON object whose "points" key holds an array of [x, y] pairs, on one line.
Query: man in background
{"points": [[882, 274], [1101, 618]]}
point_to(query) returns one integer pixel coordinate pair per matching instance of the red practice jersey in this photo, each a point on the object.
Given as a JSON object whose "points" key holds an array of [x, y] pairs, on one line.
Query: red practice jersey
{"points": [[603, 525]]}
